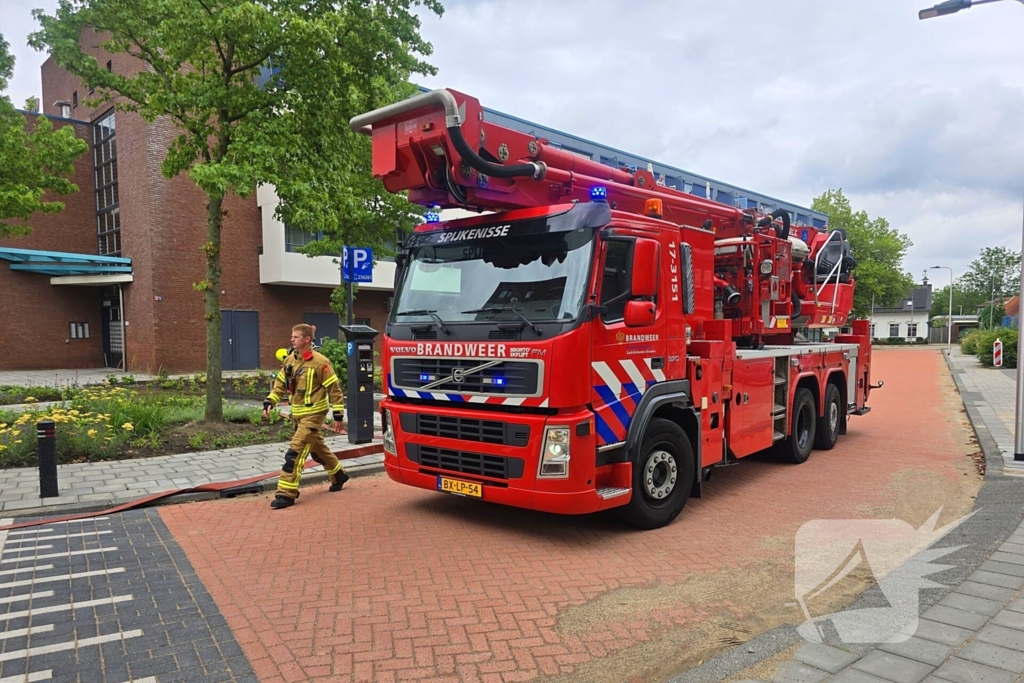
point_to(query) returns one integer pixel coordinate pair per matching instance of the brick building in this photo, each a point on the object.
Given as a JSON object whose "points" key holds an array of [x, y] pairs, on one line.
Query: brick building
{"points": [[108, 282]]}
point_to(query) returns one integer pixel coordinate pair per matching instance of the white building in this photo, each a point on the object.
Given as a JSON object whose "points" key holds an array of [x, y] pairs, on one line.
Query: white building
{"points": [[908, 319]]}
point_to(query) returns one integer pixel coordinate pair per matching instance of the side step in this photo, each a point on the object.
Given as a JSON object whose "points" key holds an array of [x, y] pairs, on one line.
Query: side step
{"points": [[861, 411], [610, 492]]}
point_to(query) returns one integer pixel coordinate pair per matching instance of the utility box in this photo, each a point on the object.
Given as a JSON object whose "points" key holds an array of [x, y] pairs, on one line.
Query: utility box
{"points": [[359, 404]]}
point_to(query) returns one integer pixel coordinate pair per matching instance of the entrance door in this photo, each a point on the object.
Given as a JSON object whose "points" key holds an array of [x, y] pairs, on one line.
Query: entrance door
{"points": [[326, 326], [113, 340], [240, 340]]}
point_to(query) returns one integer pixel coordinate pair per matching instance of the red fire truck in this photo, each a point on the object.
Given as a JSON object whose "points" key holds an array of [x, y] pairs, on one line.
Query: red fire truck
{"points": [[593, 339]]}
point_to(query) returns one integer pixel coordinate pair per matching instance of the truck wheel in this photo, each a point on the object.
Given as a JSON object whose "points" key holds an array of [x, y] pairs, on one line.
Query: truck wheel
{"points": [[662, 476], [827, 430], [803, 418]]}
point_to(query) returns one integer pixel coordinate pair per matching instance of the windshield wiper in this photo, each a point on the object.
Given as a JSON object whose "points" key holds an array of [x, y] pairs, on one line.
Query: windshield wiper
{"points": [[432, 313], [507, 307]]}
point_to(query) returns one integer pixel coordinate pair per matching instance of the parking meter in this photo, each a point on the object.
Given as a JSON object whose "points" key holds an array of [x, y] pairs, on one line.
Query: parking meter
{"points": [[359, 404]]}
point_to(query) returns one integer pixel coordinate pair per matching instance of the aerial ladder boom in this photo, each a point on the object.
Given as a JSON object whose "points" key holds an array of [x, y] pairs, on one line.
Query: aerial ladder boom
{"points": [[438, 147]]}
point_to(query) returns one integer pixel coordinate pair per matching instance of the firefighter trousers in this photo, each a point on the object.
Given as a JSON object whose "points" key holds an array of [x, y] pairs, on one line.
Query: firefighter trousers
{"points": [[307, 441]]}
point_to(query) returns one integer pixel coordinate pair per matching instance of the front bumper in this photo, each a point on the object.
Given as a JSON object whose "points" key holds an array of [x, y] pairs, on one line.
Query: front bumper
{"points": [[519, 485]]}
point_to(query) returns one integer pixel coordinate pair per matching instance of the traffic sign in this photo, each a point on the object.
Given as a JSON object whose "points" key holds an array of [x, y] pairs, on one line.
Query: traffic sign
{"points": [[997, 353], [357, 264]]}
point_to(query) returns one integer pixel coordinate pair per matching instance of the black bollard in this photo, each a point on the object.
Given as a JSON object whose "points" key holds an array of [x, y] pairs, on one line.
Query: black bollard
{"points": [[46, 436]]}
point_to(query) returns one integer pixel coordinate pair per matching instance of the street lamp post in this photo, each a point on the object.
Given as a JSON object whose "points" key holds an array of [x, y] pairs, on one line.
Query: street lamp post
{"points": [[952, 7], [949, 318]]}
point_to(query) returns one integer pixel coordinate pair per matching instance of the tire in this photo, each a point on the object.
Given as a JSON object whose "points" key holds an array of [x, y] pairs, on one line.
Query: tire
{"points": [[803, 418], [663, 476], [827, 430]]}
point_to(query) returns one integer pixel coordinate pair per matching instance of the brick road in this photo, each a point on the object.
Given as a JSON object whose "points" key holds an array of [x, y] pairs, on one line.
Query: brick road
{"points": [[387, 583]]}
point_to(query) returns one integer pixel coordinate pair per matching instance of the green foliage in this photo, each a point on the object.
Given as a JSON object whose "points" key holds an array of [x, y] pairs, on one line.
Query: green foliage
{"points": [[34, 159], [878, 249], [13, 395], [984, 341], [994, 275], [337, 353], [202, 63], [969, 342]]}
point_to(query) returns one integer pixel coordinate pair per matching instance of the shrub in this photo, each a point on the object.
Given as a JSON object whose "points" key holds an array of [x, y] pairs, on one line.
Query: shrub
{"points": [[969, 343], [985, 340], [11, 395], [337, 353]]}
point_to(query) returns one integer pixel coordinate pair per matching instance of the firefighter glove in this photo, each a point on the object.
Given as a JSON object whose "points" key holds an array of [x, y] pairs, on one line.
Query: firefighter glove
{"points": [[339, 416]]}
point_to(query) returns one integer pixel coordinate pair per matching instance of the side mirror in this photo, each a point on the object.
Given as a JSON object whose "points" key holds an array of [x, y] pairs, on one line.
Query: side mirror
{"points": [[400, 262], [646, 254], [639, 313]]}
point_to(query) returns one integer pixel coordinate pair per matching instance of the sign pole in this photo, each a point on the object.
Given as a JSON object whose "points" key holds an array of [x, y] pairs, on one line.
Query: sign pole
{"points": [[1018, 436]]}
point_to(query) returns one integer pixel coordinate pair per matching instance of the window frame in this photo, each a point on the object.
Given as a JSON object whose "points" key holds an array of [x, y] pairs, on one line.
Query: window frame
{"points": [[627, 292]]}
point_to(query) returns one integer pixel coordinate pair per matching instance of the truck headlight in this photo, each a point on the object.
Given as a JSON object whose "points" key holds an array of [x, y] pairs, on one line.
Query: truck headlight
{"points": [[389, 433], [554, 456]]}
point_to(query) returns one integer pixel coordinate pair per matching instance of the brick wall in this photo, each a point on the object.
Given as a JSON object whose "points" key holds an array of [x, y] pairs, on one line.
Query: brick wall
{"points": [[35, 314]]}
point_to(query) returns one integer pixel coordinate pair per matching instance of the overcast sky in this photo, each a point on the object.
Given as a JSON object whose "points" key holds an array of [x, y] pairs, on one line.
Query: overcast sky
{"points": [[921, 122]]}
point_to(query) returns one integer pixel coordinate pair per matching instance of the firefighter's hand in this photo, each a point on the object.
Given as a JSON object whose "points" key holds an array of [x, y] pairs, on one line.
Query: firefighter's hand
{"points": [[338, 425], [267, 405]]}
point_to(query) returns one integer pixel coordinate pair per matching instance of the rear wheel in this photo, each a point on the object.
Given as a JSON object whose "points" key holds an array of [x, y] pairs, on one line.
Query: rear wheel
{"points": [[827, 429], [662, 476], [796, 448]]}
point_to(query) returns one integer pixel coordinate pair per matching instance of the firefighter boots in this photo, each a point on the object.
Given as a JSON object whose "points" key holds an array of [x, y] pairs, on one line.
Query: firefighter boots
{"points": [[339, 480]]}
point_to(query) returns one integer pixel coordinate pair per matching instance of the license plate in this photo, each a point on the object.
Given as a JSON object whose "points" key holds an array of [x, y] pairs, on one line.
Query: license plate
{"points": [[460, 488]]}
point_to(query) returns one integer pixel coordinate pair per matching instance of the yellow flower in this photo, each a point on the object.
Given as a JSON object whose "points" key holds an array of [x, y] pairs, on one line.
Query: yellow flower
{"points": [[127, 426], [108, 438], [92, 433], [2, 425], [17, 441], [31, 399], [16, 432], [73, 412], [2, 448]]}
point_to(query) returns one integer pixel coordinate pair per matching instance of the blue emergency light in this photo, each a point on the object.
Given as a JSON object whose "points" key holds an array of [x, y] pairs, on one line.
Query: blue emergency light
{"points": [[432, 217], [599, 194], [425, 378]]}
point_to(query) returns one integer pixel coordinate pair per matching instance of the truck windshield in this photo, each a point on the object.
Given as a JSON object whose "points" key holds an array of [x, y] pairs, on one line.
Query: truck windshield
{"points": [[540, 277]]}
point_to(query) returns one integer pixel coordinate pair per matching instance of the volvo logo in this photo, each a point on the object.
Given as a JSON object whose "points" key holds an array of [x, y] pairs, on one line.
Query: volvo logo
{"points": [[458, 375]]}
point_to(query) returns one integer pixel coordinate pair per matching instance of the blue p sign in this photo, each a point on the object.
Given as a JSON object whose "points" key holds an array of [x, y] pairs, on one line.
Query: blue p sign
{"points": [[357, 264]]}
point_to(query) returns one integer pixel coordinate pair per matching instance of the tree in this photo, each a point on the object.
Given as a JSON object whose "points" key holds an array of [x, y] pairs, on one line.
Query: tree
{"points": [[994, 274], [964, 301], [878, 249], [202, 61], [34, 160]]}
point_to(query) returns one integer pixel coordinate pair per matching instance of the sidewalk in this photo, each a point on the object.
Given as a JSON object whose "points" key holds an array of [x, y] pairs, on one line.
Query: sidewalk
{"points": [[82, 377], [972, 630]]}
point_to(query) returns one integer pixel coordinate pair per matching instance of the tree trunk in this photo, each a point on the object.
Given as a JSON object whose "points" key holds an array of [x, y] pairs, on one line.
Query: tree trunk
{"points": [[214, 391]]}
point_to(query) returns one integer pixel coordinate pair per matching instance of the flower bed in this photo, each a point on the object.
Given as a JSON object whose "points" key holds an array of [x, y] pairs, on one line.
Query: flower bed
{"points": [[108, 423]]}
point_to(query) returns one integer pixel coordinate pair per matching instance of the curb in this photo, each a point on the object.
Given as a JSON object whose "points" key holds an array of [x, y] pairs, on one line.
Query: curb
{"points": [[998, 508], [265, 486]]}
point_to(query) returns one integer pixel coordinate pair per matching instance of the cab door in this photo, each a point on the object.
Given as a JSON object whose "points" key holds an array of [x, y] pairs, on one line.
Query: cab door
{"points": [[629, 340]]}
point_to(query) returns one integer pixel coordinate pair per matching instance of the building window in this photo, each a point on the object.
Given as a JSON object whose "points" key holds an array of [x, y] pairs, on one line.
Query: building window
{"points": [[361, 321], [872, 332], [894, 329], [912, 330], [108, 211], [79, 330], [110, 65], [294, 238], [74, 99]]}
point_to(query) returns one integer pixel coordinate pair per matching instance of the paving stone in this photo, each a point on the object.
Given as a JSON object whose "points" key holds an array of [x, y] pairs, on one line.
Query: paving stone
{"points": [[855, 676], [893, 667], [796, 672], [993, 655], [970, 603], [965, 671], [1016, 605], [1002, 568], [994, 579], [1005, 637], [830, 659], [956, 617], [1009, 619], [982, 590], [1016, 547], [939, 632], [919, 649], [1011, 558]]}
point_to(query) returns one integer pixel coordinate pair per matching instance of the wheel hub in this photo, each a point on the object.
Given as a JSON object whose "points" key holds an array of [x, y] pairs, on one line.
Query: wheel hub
{"points": [[659, 474], [833, 417]]}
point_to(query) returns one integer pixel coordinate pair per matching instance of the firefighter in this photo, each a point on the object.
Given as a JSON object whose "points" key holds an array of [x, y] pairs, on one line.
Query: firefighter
{"points": [[309, 379]]}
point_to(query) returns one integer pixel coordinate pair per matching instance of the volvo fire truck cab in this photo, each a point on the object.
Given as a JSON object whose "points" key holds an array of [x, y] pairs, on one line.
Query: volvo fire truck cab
{"points": [[582, 354]]}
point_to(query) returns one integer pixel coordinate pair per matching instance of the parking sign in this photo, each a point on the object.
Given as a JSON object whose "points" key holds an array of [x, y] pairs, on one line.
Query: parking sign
{"points": [[357, 264]]}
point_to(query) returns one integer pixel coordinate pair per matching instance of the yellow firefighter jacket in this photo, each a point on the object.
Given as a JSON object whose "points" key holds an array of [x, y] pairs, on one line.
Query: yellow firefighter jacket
{"points": [[310, 381]]}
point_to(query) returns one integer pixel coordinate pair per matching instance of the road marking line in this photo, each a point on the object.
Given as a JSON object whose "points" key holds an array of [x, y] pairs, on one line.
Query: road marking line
{"points": [[37, 568], [25, 532], [52, 555], [29, 678], [20, 550], [32, 630], [50, 579], [70, 645], [26, 596], [147, 679], [65, 608], [60, 536]]}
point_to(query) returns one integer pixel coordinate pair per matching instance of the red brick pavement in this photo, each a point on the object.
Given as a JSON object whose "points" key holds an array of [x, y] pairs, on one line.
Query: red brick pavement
{"points": [[388, 583]]}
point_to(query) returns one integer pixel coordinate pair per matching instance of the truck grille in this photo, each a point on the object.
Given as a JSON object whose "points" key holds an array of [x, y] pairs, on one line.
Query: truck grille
{"points": [[504, 378], [466, 429], [494, 466]]}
